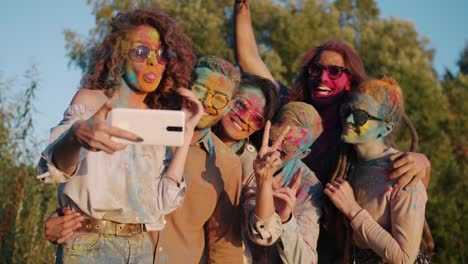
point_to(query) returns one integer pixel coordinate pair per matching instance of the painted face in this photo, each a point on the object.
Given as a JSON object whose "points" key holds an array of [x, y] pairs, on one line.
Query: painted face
{"points": [[215, 91], [246, 115], [371, 130], [143, 76], [324, 89], [295, 142]]}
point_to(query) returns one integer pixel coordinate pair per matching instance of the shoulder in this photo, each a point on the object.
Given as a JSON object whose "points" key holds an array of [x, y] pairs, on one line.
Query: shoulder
{"points": [[224, 155], [93, 98], [249, 154], [223, 151], [417, 192]]}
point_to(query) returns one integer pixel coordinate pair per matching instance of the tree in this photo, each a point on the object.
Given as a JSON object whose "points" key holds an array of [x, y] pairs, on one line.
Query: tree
{"points": [[24, 200], [463, 61], [451, 198]]}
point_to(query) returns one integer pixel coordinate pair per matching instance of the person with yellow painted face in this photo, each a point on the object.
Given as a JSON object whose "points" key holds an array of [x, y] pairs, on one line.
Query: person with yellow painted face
{"points": [[113, 193]]}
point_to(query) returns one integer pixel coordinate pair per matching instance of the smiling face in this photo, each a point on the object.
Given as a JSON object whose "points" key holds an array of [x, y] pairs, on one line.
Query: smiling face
{"points": [[322, 89], [213, 90], [372, 130], [246, 115], [143, 76]]}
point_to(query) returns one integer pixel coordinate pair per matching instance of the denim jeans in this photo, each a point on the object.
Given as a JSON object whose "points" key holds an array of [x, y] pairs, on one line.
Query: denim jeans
{"points": [[96, 248]]}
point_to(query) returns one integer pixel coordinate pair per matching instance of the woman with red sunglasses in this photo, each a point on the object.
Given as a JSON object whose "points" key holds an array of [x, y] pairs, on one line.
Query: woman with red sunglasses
{"points": [[329, 72], [111, 193]]}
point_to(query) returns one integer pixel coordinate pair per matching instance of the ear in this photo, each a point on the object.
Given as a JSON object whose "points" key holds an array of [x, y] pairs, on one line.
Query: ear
{"points": [[303, 153], [348, 85], [388, 129]]}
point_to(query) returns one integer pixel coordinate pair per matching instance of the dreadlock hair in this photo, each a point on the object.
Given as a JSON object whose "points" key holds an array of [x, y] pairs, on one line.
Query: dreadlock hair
{"points": [[388, 91]]}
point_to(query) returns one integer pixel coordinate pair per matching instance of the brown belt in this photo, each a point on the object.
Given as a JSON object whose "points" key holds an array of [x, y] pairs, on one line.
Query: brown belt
{"points": [[106, 227]]}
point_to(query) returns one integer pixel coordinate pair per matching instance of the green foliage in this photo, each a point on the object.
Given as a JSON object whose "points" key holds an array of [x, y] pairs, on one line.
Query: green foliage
{"points": [[463, 62], [450, 198], [25, 201]]}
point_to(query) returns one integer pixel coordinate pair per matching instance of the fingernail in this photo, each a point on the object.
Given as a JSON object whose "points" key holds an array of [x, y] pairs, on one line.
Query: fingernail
{"points": [[140, 139]]}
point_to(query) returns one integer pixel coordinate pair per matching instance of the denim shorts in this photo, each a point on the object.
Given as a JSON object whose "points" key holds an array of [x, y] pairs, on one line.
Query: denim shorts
{"points": [[96, 248]]}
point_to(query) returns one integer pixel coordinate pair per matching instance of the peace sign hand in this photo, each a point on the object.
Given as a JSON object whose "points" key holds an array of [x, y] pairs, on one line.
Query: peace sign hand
{"points": [[285, 197], [268, 160]]}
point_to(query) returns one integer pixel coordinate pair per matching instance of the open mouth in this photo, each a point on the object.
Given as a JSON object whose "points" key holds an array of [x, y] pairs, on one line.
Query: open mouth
{"points": [[321, 89], [238, 123]]}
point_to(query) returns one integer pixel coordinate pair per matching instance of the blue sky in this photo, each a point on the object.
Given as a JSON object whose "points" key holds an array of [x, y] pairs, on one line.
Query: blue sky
{"points": [[33, 33]]}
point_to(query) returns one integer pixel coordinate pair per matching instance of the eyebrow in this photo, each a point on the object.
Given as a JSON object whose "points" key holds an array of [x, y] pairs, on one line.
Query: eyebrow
{"points": [[137, 43]]}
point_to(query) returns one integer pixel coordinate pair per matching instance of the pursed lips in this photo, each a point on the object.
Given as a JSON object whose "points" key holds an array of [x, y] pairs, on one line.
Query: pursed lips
{"points": [[149, 77]]}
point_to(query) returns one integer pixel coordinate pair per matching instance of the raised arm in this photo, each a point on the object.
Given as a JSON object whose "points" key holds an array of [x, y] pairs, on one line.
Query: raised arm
{"points": [[193, 110], [246, 51], [93, 134]]}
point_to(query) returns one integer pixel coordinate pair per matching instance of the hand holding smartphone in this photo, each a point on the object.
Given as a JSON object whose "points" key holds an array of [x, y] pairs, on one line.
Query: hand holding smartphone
{"points": [[156, 127]]}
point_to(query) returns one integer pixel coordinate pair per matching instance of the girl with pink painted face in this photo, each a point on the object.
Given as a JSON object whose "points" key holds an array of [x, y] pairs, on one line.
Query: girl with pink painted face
{"points": [[386, 222], [111, 193], [255, 102]]}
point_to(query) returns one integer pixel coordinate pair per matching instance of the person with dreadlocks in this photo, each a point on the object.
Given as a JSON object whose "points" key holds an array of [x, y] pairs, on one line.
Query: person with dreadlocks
{"points": [[283, 207], [385, 223]]}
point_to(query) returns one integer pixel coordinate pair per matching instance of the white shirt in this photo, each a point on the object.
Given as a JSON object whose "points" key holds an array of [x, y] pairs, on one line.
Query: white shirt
{"points": [[128, 186]]}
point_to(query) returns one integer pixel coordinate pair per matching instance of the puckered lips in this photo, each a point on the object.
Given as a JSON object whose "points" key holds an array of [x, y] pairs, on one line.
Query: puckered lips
{"points": [[149, 77]]}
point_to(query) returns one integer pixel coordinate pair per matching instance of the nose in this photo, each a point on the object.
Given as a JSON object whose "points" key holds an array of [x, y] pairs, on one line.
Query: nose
{"points": [[207, 102], [324, 76], [151, 58], [350, 119]]}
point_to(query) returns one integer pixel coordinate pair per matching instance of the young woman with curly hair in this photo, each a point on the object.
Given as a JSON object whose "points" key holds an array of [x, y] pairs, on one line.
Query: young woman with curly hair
{"points": [[113, 193]]}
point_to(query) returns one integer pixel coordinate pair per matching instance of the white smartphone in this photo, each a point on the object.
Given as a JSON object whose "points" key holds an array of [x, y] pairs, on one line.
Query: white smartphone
{"points": [[156, 127]]}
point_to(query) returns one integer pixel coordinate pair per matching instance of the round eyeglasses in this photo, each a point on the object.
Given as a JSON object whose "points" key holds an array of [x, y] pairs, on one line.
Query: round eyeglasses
{"points": [[288, 147], [253, 119], [143, 53], [218, 100]]}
